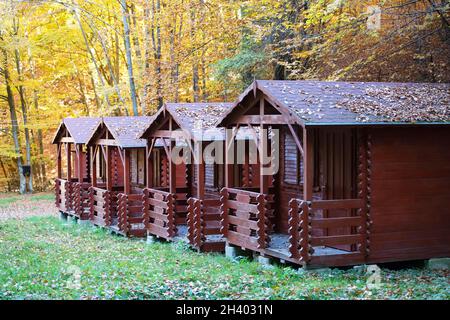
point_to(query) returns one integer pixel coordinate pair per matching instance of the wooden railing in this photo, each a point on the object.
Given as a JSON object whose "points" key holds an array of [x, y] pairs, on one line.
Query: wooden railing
{"points": [[81, 197], [133, 214], [244, 218], [63, 195], [203, 221], [161, 213], [100, 206], [305, 217]]}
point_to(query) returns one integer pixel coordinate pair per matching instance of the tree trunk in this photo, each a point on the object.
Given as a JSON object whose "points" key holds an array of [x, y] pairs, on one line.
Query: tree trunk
{"points": [[156, 40], [126, 37], [24, 109], [14, 124], [40, 144], [195, 77], [88, 49]]}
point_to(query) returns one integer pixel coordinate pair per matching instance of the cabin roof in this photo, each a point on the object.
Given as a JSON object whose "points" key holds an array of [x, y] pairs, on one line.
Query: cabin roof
{"points": [[198, 119], [80, 129], [353, 103], [127, 130]]}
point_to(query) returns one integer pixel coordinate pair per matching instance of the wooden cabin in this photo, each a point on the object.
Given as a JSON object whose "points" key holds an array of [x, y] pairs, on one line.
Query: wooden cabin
{"points": [[119, 173], [73, 165], [187, 207], [363, 172]]}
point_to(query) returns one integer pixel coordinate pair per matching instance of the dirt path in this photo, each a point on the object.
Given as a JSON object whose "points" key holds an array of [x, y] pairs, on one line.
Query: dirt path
{"points": [[15, 206]]}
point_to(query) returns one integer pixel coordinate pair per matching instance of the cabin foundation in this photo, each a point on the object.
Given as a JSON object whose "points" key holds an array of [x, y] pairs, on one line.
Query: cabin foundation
{"points": [[62, 216], [439, 264]]}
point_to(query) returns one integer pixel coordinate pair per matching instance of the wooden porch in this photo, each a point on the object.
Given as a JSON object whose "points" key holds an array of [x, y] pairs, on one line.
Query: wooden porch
{"points": [[321, 232]]}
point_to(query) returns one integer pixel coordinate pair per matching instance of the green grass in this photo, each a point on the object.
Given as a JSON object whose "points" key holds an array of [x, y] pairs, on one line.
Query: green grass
{"points": [[7, 200], [38, 253]]}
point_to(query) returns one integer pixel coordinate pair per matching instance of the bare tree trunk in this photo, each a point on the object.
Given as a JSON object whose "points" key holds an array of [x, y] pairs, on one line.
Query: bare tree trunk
{"points": [[195, 77], [40, 143], [146, 85], [126, 29], [24, 109], [88, 49], [14, 124], [156, 40], [23, 105]]}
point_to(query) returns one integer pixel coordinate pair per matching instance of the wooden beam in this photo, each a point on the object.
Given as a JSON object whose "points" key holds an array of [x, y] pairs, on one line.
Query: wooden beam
{"points": [[126, 172], [150, 149], [267, 119], [255, 135], [162, 134], [264, 188], [228, 160], [308, 164], [59, 161], [296, 139], [109, 182], [106, 142], [172, 171], [94, 150], [201, 174], [69, 160], [79, 152], [67, 140], [149, 162], [122, 156], [233, 136]]}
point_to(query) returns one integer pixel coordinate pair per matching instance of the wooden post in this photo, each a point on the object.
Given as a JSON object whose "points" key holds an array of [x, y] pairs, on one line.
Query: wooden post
{"points": [[149, 167], [200, 171], [59, 165], [126, 171], [93, 166], [172, 170], [264, 187], [308, 164], [109, 178], [229, 157], [69, 161], [79, 152]]}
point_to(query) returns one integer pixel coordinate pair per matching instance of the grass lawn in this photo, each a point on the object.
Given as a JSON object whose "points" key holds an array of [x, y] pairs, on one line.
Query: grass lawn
{"points": [[38, 257], [8, 199]]}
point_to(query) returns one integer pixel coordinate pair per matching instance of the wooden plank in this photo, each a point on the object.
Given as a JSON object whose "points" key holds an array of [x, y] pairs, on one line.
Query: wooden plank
{"points": [[242, 223], [158, 231], [158, 203], [336, 222], [235, 205], [158, 216], [242, 240], [336, 240], [337, 204]]}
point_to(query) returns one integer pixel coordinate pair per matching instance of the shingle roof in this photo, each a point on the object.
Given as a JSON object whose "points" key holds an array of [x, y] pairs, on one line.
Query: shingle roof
{"points": [[323, 102], [198, 119], [192, 116], [127, 130], [80, 129]]}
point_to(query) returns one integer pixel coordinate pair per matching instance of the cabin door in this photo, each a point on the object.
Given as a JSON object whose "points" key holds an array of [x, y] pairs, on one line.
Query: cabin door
{"points": [[337, 171]]}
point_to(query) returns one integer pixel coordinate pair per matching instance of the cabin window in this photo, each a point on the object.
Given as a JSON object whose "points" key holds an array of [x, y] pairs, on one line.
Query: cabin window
{"points": [[293, 161]]}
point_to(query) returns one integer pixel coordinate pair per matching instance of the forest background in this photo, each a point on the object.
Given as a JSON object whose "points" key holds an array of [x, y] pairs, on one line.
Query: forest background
{"points": [[70, 58]]}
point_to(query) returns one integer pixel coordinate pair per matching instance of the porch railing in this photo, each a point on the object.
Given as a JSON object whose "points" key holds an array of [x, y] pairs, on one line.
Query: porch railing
{"points": [[244, 218], [81, 200], [133, 214], [203, 221], [161, 213], [63, 195], [100, 206], [305, 217]]}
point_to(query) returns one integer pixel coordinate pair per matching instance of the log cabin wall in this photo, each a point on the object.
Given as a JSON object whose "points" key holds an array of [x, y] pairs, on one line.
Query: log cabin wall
{"points": [[410, 193]]}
